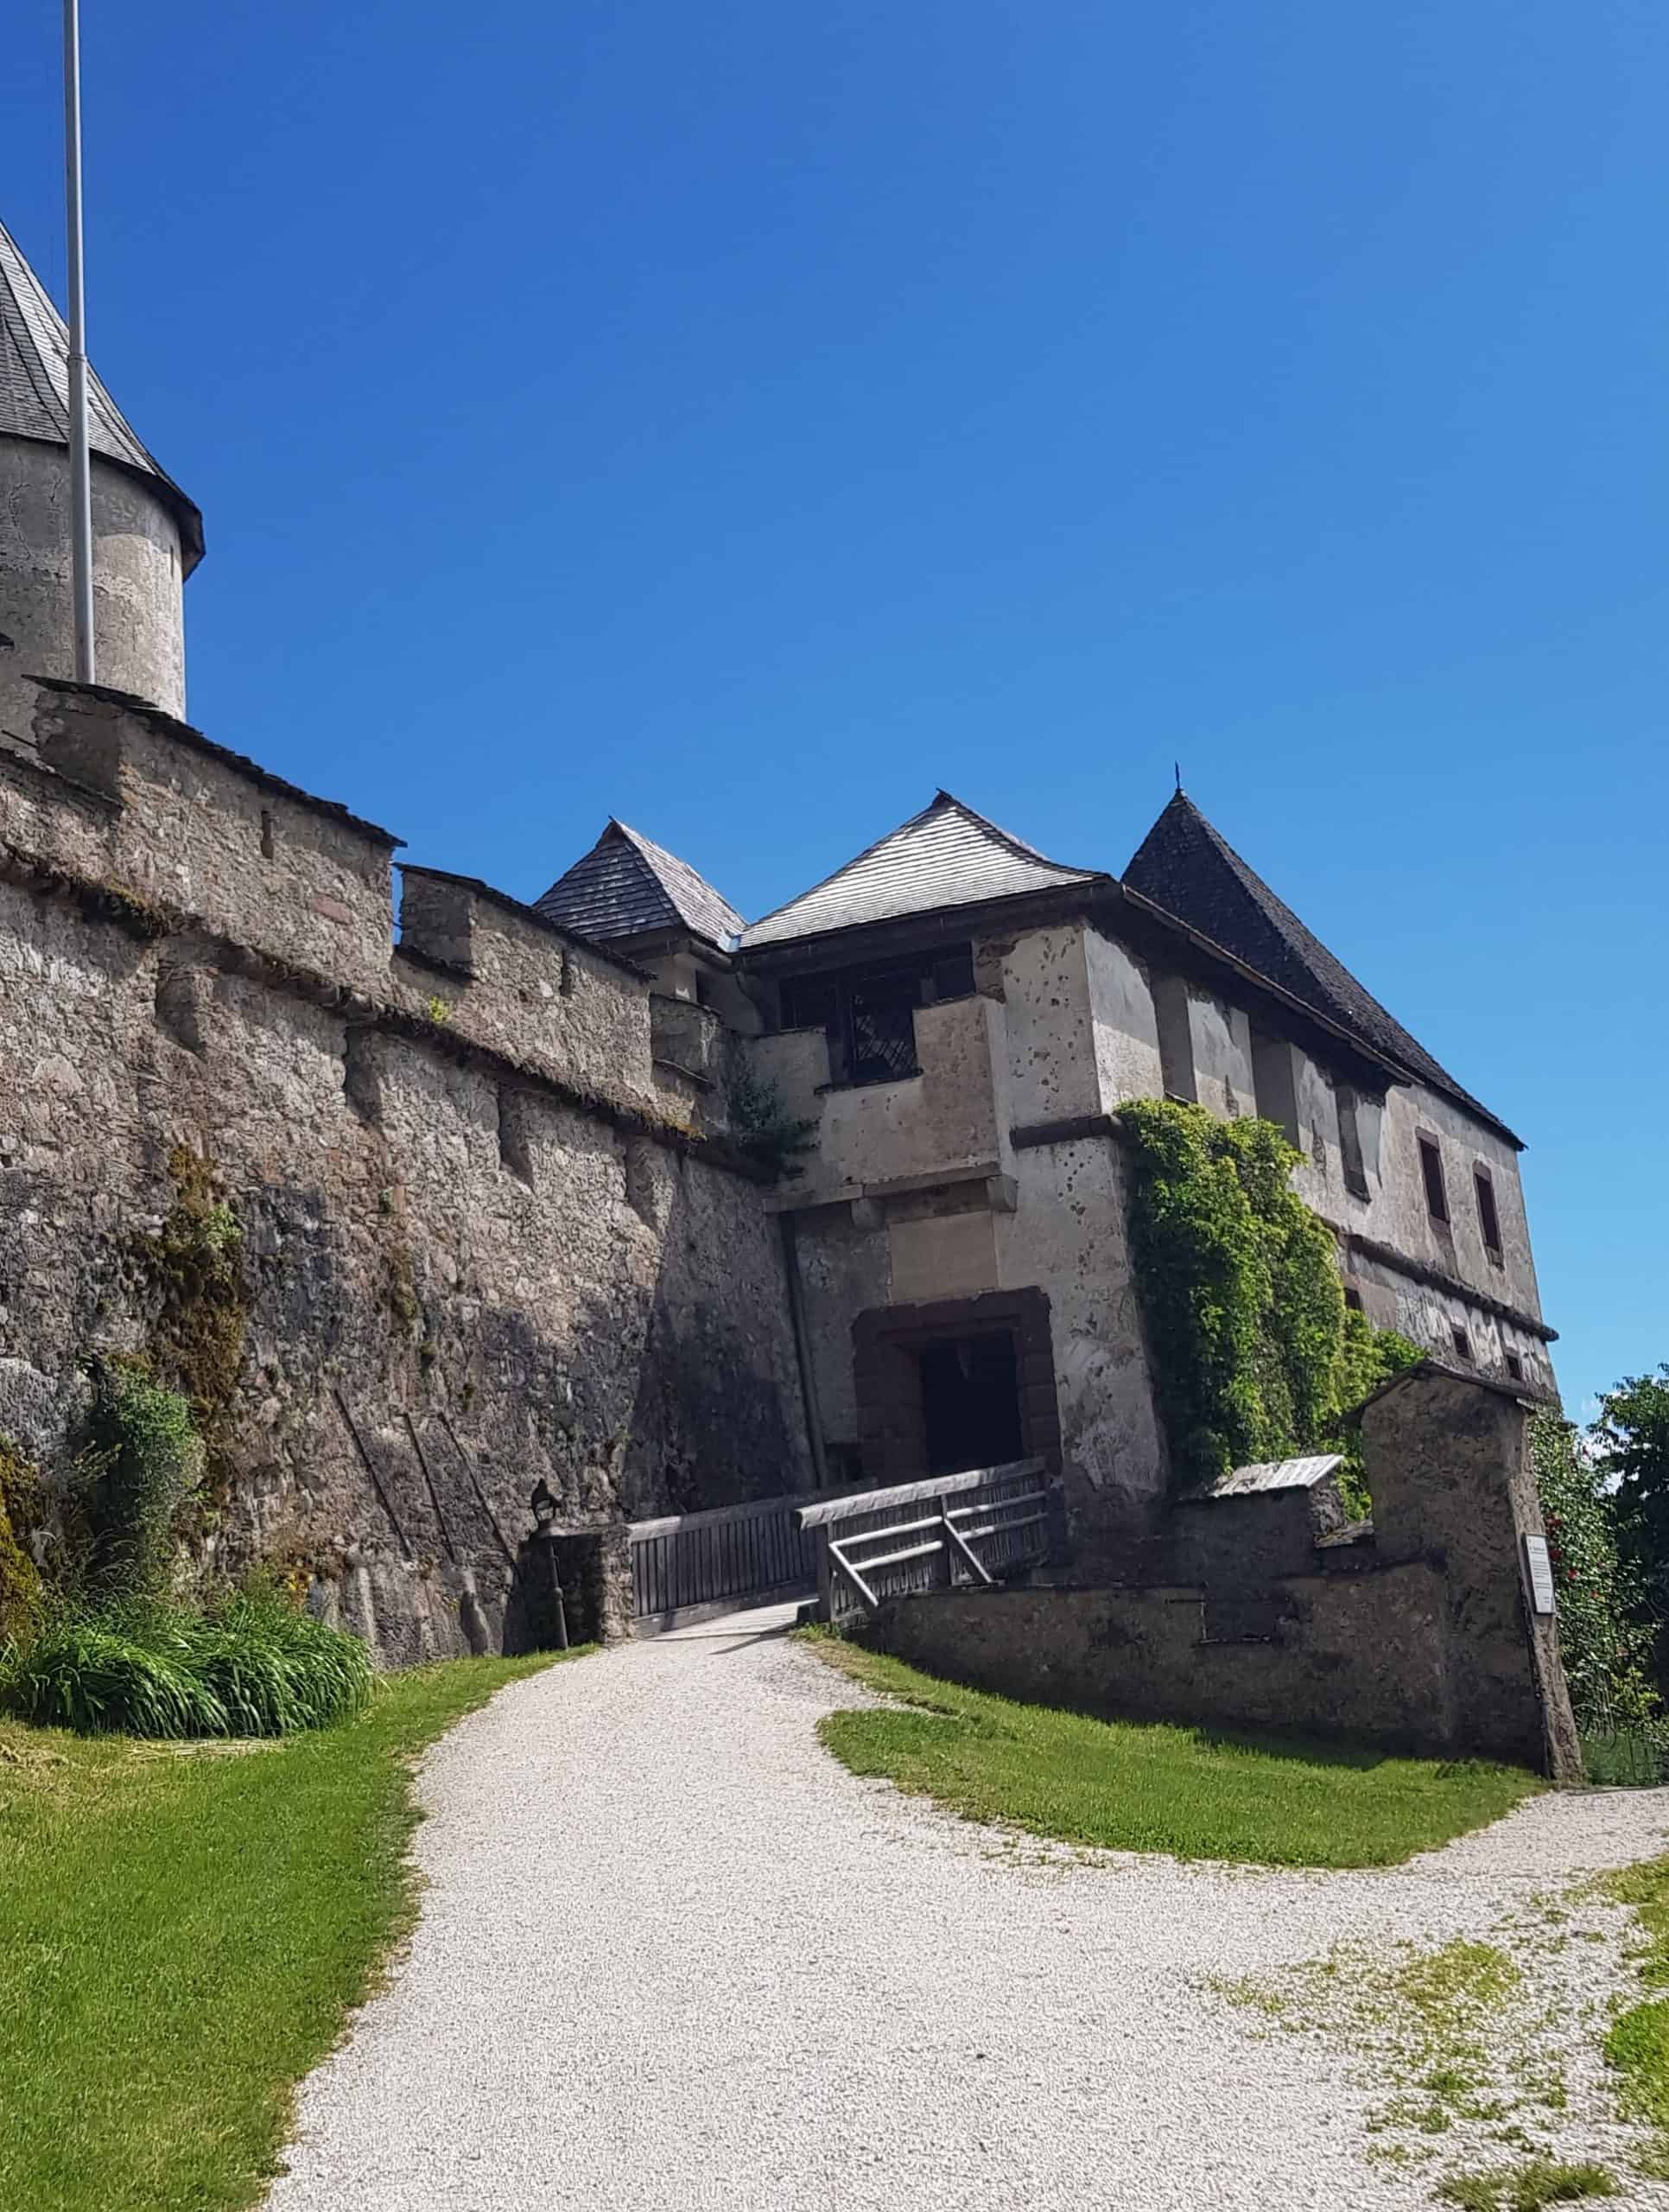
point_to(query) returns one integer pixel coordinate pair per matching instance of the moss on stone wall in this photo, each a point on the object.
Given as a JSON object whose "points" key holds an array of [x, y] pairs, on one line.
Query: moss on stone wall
{"points": [[194, 1264]]}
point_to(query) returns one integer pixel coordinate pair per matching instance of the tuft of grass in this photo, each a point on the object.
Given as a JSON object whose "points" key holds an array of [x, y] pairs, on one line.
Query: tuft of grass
{"points": [[253, 1667], [1145, 1786], [1527, 2187], [186, 1936], [1638, 2044]]}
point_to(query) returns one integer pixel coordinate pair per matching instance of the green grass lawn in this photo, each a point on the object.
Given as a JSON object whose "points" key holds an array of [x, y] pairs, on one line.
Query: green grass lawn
{"points": [[1134, 1786], [1638, 2044], [182, 1931]]}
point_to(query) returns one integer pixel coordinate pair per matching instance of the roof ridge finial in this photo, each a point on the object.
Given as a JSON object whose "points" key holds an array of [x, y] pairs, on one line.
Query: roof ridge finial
{"points": [[1178, 765]]}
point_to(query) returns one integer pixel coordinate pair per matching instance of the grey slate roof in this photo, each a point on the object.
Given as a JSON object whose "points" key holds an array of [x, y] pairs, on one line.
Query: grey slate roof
{"points": [[1188, 869], [34, 392], [627, 885], [946, 856]]}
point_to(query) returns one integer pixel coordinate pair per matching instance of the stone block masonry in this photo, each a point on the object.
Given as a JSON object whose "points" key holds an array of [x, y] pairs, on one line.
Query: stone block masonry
{"points": [[479, 1246], [1432, 1645]]}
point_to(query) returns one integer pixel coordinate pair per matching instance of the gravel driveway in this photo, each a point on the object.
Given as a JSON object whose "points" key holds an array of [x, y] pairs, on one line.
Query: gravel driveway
{"points": [[672, 1954]]}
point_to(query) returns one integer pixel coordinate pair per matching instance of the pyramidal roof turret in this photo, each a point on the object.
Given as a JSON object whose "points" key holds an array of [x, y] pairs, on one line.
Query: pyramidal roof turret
{"points": [[35, 392], [946, 856], [627, 885], [1190, 870]]}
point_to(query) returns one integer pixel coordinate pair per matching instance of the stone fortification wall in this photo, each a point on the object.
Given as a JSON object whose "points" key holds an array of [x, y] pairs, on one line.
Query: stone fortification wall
{"points": [[466, 1213], [1433, 1647]]}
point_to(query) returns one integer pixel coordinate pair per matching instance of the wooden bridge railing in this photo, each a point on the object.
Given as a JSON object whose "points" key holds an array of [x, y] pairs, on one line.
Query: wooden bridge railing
{"points": [[975, 1526], [733, 1555]]}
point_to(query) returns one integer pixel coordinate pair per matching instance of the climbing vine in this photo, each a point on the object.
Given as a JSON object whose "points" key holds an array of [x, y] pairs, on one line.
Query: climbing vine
{"points": [[1256, 1355]]}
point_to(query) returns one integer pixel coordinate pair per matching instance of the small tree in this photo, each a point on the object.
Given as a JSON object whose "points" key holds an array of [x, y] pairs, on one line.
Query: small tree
{"points": [[1604, 1639], [1631, 1446]]}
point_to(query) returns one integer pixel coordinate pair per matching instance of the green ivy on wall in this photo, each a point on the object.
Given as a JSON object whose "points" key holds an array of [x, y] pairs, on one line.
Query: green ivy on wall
{"points": [[1255, 1355]]}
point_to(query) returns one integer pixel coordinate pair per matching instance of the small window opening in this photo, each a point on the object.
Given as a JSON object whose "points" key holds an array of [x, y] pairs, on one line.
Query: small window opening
{"points": [[1514, 1366], [515, 1146], [266, 833], [1350, 1155], [970, 1404], [1437, 1197], [869, 1013], [1488, 1218], [1352, 1300], [1462, 1342]]}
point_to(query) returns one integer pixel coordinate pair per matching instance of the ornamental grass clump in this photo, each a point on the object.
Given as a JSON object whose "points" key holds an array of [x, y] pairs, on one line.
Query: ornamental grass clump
{"points": [[251, 1667]]}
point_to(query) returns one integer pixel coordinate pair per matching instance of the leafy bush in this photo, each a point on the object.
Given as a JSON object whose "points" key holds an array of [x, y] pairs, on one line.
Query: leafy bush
{"points": [[1631, 1440], [760, 1125], [251, 1668], [1255, 1355], [147, 1458], [1604, 1642], [20, 1579]]}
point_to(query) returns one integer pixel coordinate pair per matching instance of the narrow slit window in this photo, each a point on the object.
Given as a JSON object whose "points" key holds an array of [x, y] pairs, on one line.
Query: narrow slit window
{"points": [[1488, 1218], [266, 833], [1351, 1301], [1515, 1366], [1462, 1342], [1437, 1197], [1350, 1154]]}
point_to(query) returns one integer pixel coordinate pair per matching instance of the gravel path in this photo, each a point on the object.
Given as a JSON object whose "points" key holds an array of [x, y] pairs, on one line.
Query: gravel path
{"points": [[673, 1953]]}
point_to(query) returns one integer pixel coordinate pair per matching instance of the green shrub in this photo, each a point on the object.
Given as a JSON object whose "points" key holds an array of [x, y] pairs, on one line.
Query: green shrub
{"points": [[1255, 1355], [147, 1458], [1605, 1644], [761, 1125], [250, 1668], [96, 1676], [20, 1579]]}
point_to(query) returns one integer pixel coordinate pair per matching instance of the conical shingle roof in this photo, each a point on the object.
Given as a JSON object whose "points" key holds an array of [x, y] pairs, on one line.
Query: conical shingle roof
{"points": [[946, 856], [34, 392], [627, 885], [1187, 867]]}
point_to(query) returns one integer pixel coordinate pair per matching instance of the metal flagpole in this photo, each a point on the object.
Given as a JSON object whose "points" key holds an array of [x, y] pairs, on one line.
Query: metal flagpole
{"points": [[81, 474]]}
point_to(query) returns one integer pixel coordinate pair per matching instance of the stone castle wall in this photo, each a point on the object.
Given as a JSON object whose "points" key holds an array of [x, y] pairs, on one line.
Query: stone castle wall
{"points": [[469, 1217]]}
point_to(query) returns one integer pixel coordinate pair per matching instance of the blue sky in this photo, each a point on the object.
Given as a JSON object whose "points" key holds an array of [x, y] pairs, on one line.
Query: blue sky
{"points": [[744, 419]]}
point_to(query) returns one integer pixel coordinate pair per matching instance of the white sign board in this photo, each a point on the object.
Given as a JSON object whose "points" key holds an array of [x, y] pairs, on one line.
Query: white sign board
{"points": [[1539, 1573]]}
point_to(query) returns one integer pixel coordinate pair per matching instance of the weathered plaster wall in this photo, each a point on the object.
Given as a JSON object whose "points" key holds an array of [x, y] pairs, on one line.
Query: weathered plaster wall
{"points": [[442, 1229], [1127, 1060], [1068, 1235], [138, 624]]}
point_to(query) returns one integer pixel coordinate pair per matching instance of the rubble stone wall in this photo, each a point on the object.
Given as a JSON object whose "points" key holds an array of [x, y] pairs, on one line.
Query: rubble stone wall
{"points": [[477, 1248]]}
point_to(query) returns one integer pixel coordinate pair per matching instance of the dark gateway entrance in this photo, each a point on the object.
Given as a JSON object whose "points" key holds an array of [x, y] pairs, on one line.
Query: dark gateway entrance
{"points": [[962, 1382], [970, 1402]]}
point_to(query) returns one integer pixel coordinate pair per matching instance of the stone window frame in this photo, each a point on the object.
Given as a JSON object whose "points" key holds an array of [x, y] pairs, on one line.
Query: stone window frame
{"points": [[891, 1430], [1436, 1183], [1488, 1206]]}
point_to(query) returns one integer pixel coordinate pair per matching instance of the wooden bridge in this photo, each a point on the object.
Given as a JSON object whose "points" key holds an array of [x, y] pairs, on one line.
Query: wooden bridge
{"points": [[848, 1552]]}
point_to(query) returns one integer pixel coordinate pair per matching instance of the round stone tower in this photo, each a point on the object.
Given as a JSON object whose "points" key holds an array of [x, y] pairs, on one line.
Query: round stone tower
{"points": [[147, 535]]}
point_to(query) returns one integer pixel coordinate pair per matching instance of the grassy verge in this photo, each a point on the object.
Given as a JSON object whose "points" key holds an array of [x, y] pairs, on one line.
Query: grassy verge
{"points": [[1145, 1787], [1638, 2044], [184, 1932]]}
